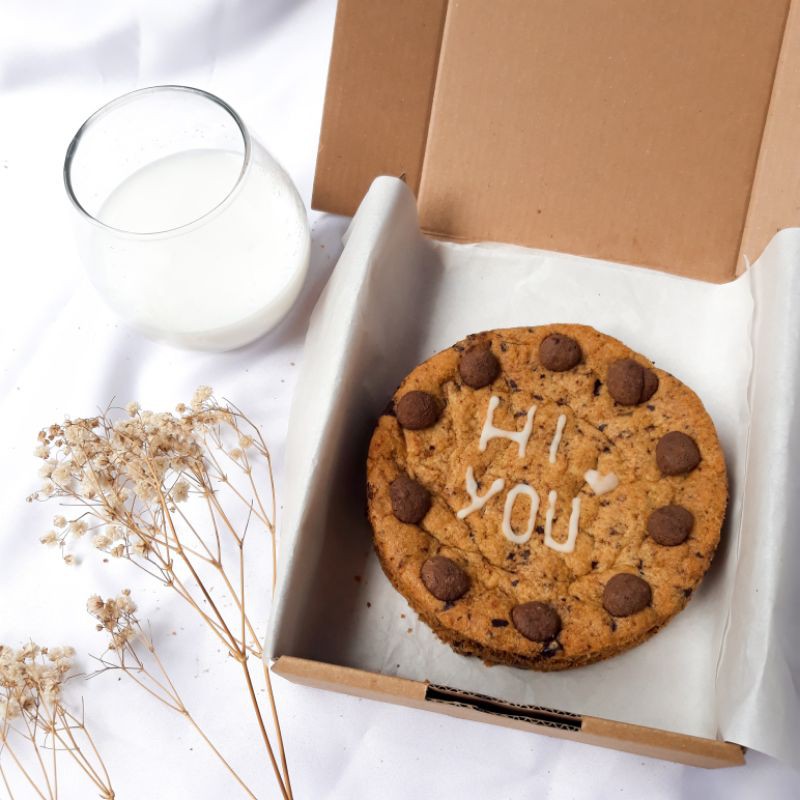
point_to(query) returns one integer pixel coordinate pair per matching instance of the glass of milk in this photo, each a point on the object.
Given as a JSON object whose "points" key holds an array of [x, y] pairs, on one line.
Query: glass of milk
{"points": [[189, 229]]}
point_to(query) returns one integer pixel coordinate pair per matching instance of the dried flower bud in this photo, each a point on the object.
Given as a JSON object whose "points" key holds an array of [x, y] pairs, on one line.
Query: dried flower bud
{"points": [[180, 491], [202, 393], [94, 605], [50, 538]]}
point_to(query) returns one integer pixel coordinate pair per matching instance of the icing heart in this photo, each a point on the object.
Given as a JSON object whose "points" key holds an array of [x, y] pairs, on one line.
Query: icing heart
{"points": [[601, 483]]}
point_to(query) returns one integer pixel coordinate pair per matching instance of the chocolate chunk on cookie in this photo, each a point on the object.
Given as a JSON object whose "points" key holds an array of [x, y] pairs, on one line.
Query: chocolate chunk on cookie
{"points": [[411, 501], [559, 353], [676, 454], [417, 410], [536, 621], [629, 383], [626, 594], [670, 525], [444, 579], [478, 367]]}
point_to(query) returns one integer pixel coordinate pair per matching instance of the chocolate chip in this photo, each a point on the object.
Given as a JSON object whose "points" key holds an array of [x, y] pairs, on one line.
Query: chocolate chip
{"points": [[559, 353], [676, 453], [478, 367], [417, 410], [444, 579], [629, 383], [536, 621], [499, 623], [598, 384], [410, 500], [670, 525], [650, 385], [625, 594]]}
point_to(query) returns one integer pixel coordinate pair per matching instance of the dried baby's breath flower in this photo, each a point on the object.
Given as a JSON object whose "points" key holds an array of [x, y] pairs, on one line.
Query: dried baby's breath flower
{"points": [[202, 393], [62, 474], [60, 521], [134, 475], [33, 716], [116, 617], [140, 546], [50, 538], [180, 491]]}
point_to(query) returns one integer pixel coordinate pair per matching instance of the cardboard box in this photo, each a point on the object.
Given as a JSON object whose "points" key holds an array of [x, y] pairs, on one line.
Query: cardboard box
{"points": [[651, 133]]}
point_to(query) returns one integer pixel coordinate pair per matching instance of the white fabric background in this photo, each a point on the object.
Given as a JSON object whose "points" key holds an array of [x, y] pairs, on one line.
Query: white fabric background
{"points": [[63, 352]]}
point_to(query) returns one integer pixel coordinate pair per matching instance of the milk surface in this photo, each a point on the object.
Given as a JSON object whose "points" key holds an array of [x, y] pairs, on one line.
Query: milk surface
{"points": [[198, 258]]}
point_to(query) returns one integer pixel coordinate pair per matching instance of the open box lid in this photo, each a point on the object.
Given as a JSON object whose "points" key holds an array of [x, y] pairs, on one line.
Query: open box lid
{"points": [[660, 133]]}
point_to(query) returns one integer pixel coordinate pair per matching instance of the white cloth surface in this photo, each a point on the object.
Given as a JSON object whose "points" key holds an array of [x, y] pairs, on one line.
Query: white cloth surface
{"points": [[63, 352]]}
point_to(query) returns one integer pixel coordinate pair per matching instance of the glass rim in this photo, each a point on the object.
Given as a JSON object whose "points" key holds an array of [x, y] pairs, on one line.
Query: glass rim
{"points": [[126, 98]]}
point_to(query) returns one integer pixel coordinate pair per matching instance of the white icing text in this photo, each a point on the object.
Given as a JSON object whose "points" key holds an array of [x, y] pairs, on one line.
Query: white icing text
{"points": [[479, 501], [508, 531], [491, 432]]}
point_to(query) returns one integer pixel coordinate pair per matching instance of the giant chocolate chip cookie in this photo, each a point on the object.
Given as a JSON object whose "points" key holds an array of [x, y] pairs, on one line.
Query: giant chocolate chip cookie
{"points": [[545, 497]]}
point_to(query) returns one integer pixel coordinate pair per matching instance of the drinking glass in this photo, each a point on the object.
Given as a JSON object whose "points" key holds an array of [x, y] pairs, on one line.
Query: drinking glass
{"points": [[189, 229]]}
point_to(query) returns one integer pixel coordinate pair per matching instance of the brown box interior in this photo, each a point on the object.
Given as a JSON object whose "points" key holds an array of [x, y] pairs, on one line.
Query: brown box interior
{"points": [[652, 132]]}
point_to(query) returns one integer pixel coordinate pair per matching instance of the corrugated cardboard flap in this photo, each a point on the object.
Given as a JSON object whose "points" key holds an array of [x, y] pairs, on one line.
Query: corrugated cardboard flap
{"points": [[651, 132]]}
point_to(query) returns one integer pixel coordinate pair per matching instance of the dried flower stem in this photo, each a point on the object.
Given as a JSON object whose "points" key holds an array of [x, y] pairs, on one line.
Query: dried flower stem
{"points": [[117, 616], [154, 491]]}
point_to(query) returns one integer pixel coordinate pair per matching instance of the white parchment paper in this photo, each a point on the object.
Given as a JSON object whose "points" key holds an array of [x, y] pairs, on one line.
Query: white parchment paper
{"points": [[726, 666]]}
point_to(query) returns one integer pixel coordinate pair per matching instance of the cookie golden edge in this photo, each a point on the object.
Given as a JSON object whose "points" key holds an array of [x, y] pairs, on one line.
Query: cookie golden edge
{"points": [[402, 571]]}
